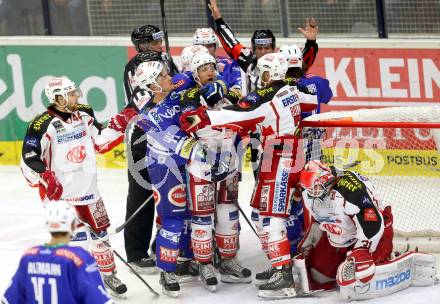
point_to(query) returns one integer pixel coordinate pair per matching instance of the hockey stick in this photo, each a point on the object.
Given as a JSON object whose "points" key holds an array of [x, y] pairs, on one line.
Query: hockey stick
{"points": [[135, 273], [121, 227], [164, 25], [107, 243], [247, 220]]}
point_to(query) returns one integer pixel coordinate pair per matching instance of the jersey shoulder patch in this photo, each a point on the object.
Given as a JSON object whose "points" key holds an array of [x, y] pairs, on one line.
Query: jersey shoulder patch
{"points": [[41, 122], [69, 254], [86, 108], [32, 251], [352, 189]]}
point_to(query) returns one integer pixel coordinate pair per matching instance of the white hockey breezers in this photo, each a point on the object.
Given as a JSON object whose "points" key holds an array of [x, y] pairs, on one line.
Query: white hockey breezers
{"points": [[409, 269]]}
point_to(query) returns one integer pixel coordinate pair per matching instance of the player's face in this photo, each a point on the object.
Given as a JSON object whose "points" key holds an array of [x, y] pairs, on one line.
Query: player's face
{"points": [[206, 73], [72, 99], [155, 45], [261, 50], [164, 81]]}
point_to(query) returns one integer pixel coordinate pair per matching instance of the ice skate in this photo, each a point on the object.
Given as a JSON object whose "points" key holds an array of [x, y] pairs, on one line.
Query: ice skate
{"points": [[170, 286], [144, 266], [279, 286], [264, 276], [115, 286], [208, 277], [187, 271], [232, 272]]}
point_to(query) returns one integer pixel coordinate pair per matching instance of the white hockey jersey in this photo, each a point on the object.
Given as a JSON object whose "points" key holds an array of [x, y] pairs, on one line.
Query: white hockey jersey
{"points": [[275, 109], [350, 214], [66, 143]]}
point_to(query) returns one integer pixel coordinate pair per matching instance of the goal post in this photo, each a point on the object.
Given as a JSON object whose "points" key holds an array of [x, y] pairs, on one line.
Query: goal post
{"points": [[398, 149]]}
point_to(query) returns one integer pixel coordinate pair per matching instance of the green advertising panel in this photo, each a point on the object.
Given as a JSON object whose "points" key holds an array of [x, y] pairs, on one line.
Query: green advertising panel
{"points": [[25, 70]]}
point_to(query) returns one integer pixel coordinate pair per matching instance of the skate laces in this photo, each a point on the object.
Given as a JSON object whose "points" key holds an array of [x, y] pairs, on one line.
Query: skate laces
{"points": [[170, 277], [207, 270], [232, 264], [112, 280]]}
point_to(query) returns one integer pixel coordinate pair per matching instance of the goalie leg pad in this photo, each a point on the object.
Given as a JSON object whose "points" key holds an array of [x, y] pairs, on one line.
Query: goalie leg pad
{"points": [[409, 269], [226, 230]]}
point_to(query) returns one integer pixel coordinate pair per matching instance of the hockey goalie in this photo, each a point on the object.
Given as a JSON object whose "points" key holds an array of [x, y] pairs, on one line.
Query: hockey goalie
{"points": [[349, 241]]}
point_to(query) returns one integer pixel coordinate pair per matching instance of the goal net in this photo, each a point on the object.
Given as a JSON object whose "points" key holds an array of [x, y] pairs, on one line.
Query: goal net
{"points": [[398, 149]]}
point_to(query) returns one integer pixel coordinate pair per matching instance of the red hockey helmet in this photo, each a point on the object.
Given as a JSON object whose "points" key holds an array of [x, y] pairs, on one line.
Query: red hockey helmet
{"points": [[316, 178]]}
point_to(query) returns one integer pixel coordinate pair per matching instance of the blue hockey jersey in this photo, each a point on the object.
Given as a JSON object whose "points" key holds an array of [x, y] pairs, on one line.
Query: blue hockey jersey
{"points": [[229, 71], [319, 86], [57, 275]]}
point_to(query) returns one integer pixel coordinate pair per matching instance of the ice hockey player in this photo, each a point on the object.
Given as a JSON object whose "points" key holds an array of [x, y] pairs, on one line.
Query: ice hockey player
{"points": [[350, 239], [168, 151], [187, 55], [138, 232], [59, 157], [226, 67], [313, 84], [275, 112], [56, 272], [263, 42], [214, 191]]}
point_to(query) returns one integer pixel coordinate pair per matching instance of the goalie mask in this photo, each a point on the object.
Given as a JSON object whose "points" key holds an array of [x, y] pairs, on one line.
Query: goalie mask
{"points": [[147, 74], [293, 55], [317, 179], [275, 64], [62, 86], [61, 217], [188, 54]]}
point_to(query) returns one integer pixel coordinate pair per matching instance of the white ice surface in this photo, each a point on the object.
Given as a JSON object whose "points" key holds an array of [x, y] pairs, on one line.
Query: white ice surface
{"points": [[21, 226]]}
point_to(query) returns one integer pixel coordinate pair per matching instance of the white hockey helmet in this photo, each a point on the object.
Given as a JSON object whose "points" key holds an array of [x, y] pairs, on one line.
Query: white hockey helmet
{"points": [[61, 217], [60, 86], [273, 63], [204, 35], [200, 60], [188, 53], [147, 73], [293, 55]]}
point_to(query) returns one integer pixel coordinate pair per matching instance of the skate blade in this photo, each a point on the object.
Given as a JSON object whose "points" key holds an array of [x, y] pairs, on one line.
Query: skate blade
{"points": [[284, 293], [231, 279], [258, 283], [145, 270], [121, 296], [186, 278], [210, 288], [170, 293]]}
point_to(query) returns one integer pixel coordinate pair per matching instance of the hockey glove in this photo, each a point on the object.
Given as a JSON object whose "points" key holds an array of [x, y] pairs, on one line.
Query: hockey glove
{"points": [[194, 120], [214, 92], [359, 266], [120, 121], [53, 187]]}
